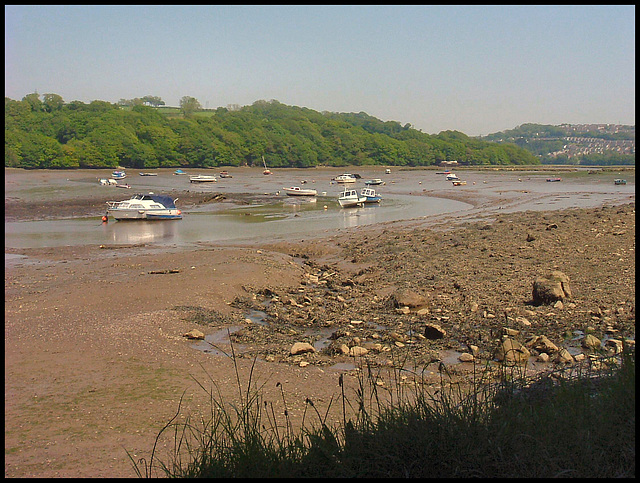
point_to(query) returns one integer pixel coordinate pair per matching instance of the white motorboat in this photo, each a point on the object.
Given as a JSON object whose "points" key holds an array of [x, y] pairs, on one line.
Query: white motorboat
{"points": [[374, 182], [349, 198], [297, 191], [144, 207], [202, 178], [118, 175], [370, 195], [452, 177], [345, 178]]}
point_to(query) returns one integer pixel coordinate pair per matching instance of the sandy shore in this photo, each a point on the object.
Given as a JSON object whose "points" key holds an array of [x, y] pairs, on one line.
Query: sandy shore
{"points": [[96, 362]]}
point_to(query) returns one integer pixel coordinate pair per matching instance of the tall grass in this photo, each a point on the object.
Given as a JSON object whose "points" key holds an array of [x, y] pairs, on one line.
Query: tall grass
{"points": [[562, 424]]}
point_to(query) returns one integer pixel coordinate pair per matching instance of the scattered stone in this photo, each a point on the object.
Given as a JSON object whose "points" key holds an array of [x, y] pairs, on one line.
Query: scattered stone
{"points": [[511, 332], [511, 351], [194, 334], [543, 357], [466, 357], [563, 357], [434, 331], [542, 344], [614, 344], [301, 348], [591, 342], [524, 321], [357, 351]]}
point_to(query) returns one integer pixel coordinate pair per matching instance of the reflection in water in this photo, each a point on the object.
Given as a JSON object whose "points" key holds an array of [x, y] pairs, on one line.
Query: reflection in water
{"points": [[141, 231]]}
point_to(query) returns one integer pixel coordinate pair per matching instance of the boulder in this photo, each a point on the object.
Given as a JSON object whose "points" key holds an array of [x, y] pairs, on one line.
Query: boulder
{"points": [[357, 351], [511, 351], [541, 343], [434, 331], [591, 342], [408, 298], [301, 348], [564, 357], [550, 288]]}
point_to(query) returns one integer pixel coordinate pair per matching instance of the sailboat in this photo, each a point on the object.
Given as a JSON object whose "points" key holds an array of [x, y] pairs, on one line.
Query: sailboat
{"points": [[266, 170]]}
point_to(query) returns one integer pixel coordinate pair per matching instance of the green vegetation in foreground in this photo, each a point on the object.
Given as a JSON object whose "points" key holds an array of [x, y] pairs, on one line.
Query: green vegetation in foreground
{"points": [[44, 132], [563, 425]]}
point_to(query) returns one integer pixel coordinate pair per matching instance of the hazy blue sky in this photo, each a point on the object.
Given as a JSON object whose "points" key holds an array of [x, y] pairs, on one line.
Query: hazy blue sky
{"points": [[475, 69]]}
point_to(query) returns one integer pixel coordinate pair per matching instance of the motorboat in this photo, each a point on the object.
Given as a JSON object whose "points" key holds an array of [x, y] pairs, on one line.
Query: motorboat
{"points": [[297, 191], [619, 181], [179, 171], [202, 178], [349, 198], [148, 174], [374, 182], [459, 183], [552, 180], [387, 171], [225, 174], [370, 195], [145, 207], [452, 177], [118, 175], [345, 178]]}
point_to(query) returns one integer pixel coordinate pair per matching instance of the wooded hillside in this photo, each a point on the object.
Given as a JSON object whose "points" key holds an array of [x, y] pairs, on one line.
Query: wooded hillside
{"points": [[45, 132]]}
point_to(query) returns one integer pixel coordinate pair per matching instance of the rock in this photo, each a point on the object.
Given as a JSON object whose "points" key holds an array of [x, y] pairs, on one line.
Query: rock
{"points": [[550, 288], [511, 351], [466, 357], [397, 337], [563, 357], [434, 331], [511, 332], [301, 348], [473, 307], [523, 321], [614, 344], [408, 298], [194, 334], [591, 342], [543, 357], [357, 351], [373, 346], [542, 344]]}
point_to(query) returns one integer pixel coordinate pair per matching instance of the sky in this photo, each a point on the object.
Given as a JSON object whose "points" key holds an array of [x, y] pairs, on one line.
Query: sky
{"points": [[473, 69]]}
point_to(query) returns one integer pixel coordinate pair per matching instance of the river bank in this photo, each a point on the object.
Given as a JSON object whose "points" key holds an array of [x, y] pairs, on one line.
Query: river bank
{"points": [[96, 361]]}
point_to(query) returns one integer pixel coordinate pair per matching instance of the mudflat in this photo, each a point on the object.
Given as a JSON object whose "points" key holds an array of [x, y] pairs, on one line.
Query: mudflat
{"points": [[96, 361]]}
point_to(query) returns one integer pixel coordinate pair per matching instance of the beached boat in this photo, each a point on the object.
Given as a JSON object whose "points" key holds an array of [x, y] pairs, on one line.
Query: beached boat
{"points": [[144, 207], [125, 186], [370, 195], [452, 177], [374, 182], [349, 198], [297, 191], [148, 174], [266, 170], [619, 181], [118, 175], [179, 171], [202, 178], [459, 183], [345, 178], [387, 171], [225, 174], [552, 180]]}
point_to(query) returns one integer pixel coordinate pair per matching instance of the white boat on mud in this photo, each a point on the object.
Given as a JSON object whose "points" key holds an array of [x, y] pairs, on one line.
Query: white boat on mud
{"points": [[297, 191], [370, 195], [350, 198], [144, 207], [202, 178], [452, 177], [374, 182], [345, 178]]}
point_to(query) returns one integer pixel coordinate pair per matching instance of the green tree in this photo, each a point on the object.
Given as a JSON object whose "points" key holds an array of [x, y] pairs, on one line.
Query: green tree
{"points": [[189, 105], [52, 102]]}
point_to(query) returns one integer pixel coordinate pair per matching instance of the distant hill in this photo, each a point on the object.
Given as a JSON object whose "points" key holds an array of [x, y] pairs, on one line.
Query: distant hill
{"points": [[583, 144], [45, 132]]}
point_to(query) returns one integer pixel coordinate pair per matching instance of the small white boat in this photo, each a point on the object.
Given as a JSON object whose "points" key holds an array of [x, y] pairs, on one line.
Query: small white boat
{"points": [[118, 175], [387, 171], [297, 191], [179, 171], [459, 183], [148, 174], [374, 182], [125, 186], [266, 170], [345, 178], [452, 177], [225, 174], [349, 198], [370, 195], [202, 178], [619, 181], [144, 207]]}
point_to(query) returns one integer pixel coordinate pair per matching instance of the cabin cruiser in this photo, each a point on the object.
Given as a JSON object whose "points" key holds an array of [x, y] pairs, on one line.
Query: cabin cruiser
{"points": [[144, 207]]}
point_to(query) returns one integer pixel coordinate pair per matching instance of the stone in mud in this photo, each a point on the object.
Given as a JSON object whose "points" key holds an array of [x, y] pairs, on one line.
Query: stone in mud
{"points": [[550, 288], [301, 348], [434, 331], [591, 342], [194, 334], [511, 351]]}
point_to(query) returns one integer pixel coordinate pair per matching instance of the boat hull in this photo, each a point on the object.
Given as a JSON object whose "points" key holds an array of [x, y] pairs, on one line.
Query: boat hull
{"points": [[299, 192]]}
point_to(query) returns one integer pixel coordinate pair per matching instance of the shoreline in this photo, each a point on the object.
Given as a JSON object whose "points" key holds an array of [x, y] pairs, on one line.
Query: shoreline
{"points": [[96, 361]]}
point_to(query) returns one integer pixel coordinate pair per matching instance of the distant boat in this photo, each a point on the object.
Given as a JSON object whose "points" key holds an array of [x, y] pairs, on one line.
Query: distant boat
{"points": [[452, 177], [202, 178], [374, 182], [459, 183], [144, 207], [126, 186], [370, 195], [297, 191], [387, 171], [148, 174], [345, 178], [619, 181], [552, 180], [225, 174], [179, 171], [266, 170], [349, 198], [118, 175]]}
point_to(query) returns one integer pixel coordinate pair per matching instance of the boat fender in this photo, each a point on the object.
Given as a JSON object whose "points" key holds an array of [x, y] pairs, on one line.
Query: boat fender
{"points": [[105, 219]]}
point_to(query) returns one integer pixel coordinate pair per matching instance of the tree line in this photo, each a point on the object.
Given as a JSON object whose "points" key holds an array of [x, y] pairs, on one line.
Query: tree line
{"points": [[43, 131]]}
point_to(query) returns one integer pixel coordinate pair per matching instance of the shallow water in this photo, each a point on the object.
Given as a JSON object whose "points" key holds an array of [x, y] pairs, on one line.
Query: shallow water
{"points": [[407, 194]]}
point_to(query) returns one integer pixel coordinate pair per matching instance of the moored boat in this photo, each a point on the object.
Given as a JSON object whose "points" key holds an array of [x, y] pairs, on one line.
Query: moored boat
{"points": [[551, 180], [459, 183], [297, 191], [374, 182], [619, 181], [349, 198], [144, 207], [370, 195], [225, 174], [179, 171], [118, 175], [148, 174], [452, 177], [345, 178], [202, 178]]}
